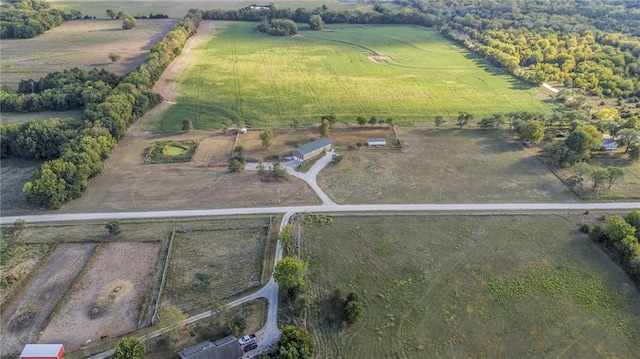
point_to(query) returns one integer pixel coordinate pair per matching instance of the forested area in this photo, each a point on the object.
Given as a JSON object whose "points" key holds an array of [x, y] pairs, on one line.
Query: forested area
{"points": [[110, 104], [590, 45], [28, 18]]}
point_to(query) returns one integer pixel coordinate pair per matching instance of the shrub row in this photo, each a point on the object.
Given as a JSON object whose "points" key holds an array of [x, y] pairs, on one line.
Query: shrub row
{"points": [[65, 178], [621, 236]]}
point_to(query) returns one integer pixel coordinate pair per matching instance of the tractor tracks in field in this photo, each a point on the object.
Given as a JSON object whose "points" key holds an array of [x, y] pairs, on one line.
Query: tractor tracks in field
{"points": [[307, 83], [272, 82], [236, 76]]}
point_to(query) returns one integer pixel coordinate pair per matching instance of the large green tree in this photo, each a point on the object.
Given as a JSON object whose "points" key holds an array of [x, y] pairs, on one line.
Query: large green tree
{"points": [[289, 273], [531, 131], [130, 348], [324, 128], [266, 137], [295, 343], [316, 23]]}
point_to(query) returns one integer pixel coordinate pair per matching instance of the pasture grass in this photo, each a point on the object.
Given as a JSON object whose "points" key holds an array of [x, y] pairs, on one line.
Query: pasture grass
{"points": [[171, 151], [468, 286], [211, 265], [442, 166], [74, 116], [239, 75]]}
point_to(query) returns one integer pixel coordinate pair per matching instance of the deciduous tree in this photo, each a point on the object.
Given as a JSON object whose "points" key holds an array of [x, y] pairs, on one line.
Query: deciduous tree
{"points": [[361, 120], [266, 137], [289, 273], [613, 174], [324, 128], [438, 121], [463, 119], [316, 23], [114, 57], [130, 348], [295, 343], [531, 131]]}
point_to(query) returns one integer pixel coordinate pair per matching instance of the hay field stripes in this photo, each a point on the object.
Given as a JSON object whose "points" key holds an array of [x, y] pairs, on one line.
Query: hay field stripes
{"points": [[270, 77], [236, 79], [307, 83]]}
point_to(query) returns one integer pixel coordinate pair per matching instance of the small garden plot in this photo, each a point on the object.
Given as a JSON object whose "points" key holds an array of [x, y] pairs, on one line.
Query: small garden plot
{"points": [[171, 151], [28, 312], [211, 265], [214, 149], [107, 300]]}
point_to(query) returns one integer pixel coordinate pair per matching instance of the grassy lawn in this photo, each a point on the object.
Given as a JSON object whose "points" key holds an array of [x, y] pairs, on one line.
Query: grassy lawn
{"points": [[469, 286], [447, 166], [211, 265], [240, 75], [80, 43], [171, 151]]}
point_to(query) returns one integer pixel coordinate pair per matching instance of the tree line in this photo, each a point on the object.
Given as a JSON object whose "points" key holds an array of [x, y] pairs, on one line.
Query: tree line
{"points": [[594, 48], [106, 116], [29, 18], [59, 91]]}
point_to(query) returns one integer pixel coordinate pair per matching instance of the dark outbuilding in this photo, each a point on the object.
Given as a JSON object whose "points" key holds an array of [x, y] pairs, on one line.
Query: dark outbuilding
{"points": [[311, 149]]}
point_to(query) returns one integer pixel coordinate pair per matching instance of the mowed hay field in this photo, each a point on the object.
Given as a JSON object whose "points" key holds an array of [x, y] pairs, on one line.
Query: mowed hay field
{"points": [[241, 75], [469, 287], [446, 166], [208, 265], [84, 44]]}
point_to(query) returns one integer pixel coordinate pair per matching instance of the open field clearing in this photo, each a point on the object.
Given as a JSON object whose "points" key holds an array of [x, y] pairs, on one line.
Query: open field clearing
{"points": [[448, 166], [15, 117], [468, 286], [14, 173], [18, 263], [211, 265], [128, 184], [109, 296], [178, 9], [28, 313], [81, 43], [240, 75]]}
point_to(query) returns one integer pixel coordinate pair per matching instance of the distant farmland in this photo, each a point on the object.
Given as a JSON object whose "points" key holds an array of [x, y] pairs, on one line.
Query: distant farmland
{"points": [[409, 73]]}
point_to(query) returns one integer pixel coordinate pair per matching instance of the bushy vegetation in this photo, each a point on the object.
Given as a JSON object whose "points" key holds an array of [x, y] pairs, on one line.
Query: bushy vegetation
{"points": [[295, 343], [278, 27], [171, 151], [621, 236], [29, 18]]}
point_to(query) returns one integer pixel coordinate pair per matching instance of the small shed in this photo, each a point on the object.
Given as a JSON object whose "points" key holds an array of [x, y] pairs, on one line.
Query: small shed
{"points": [[42, 351], [311, 149], [609, 145], [225, 348], [377, 142]]}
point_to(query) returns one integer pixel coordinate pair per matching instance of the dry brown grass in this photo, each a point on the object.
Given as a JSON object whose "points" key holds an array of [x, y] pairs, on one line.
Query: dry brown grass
{"points": [[211, 265], [14, 174], [446, 166], [81, 43]]}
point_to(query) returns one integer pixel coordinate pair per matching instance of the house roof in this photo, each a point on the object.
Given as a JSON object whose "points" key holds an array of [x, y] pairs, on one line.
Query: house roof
{"points": [[225, 348], [377, 139], [312, 146], [41, 350], [607, 142], [196, 348]]}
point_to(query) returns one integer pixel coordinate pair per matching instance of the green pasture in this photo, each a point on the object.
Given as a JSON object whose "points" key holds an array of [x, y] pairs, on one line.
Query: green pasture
{"points": [[241, 75], [171, 151], [468, 287]]}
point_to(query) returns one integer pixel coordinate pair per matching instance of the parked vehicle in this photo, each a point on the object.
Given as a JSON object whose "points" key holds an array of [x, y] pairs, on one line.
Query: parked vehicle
{"points": [[247, 339], [250, 347]]}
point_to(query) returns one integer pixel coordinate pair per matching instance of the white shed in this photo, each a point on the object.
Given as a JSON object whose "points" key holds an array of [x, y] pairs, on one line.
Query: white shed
{"points": [[609, 145], [377, 142]]}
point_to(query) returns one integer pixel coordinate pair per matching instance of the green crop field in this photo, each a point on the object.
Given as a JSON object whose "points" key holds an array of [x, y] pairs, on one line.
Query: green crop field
{"points": [[409, 73], [468, 287]]}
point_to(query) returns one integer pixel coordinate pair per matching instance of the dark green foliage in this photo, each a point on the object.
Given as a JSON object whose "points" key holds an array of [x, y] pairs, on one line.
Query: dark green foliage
{"points": [[162, 152], [128, 22], [278, 27], [620, 235], [316, 23], [353, 309], [29, 18], [295, 343], [201, 282], [130, 348], [324, 128], [113, 227], [35, 139], [235, 165], [187, 125]]}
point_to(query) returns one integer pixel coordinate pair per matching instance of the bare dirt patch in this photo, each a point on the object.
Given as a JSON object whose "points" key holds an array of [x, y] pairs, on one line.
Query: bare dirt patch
{"points": [[379, 59], [24, 318], [81, 43], [124, 265]]}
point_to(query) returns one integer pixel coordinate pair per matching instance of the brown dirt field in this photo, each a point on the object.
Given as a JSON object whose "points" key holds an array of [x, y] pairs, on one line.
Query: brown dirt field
{"points": [[230, 259], [127, 184], [25, 317], [23, 260], [81, 43], [127, 266], [443, 166]]}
